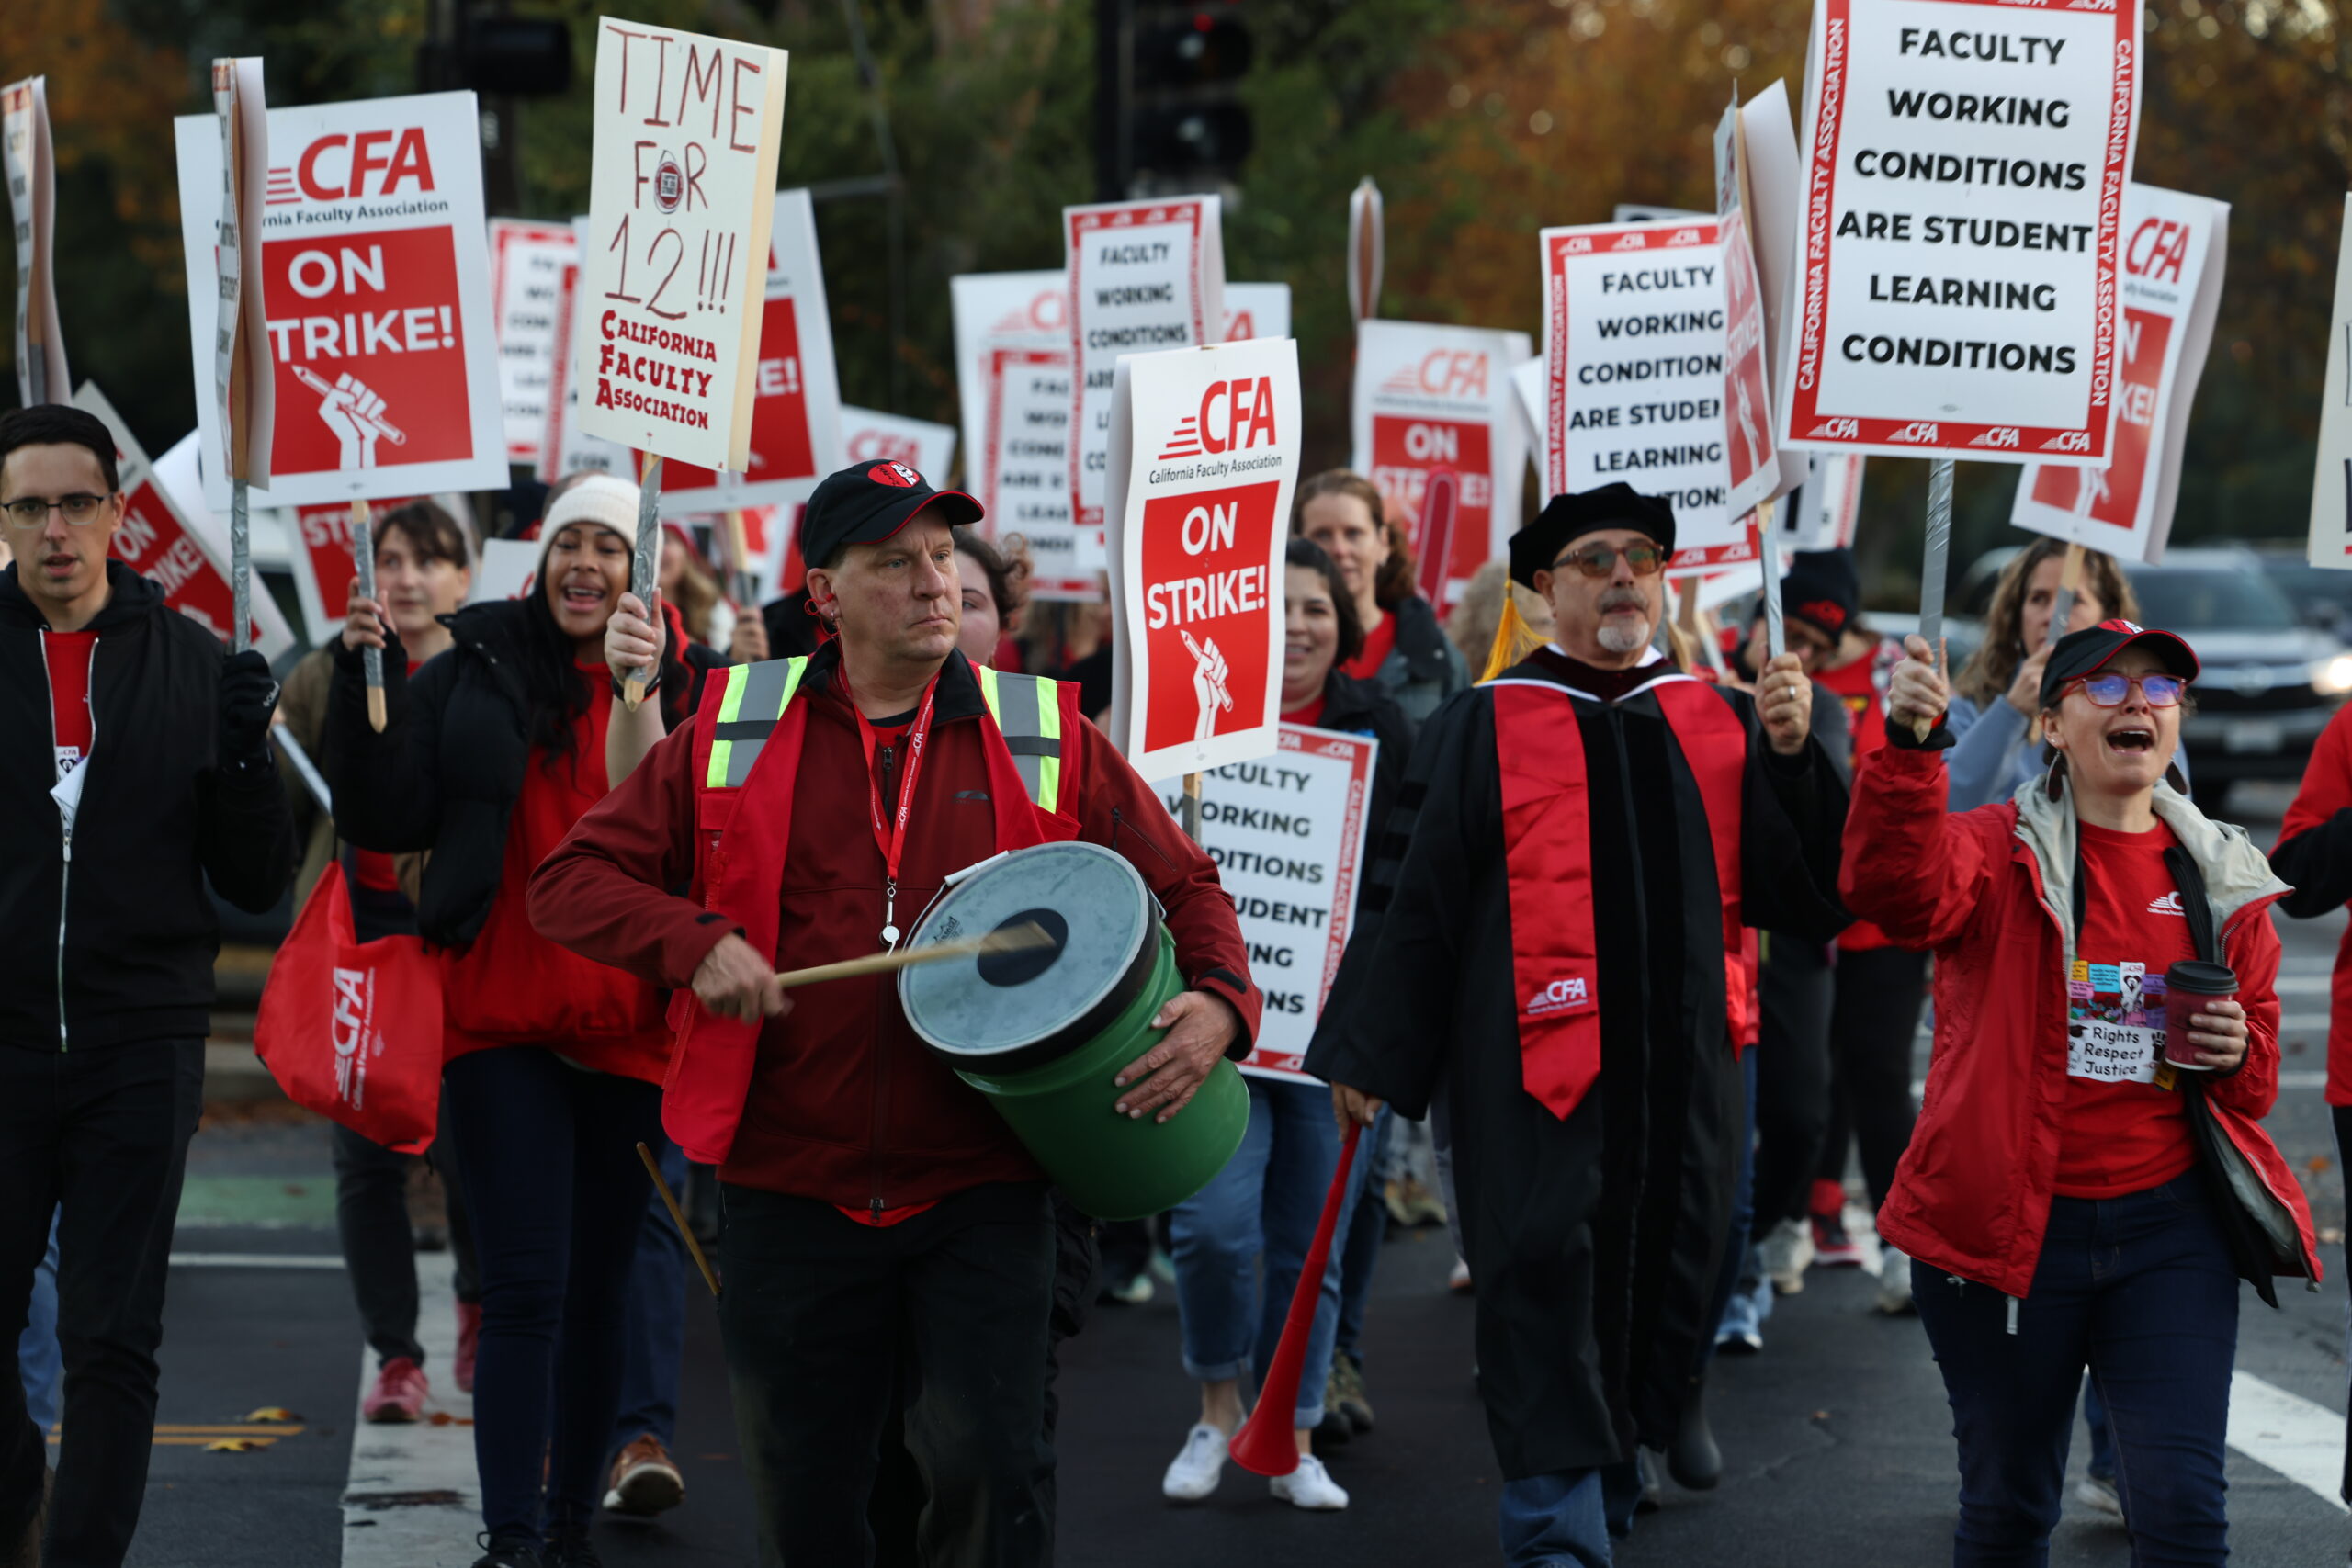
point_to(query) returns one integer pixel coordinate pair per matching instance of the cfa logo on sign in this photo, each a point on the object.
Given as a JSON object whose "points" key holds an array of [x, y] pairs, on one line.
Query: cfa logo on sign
{"points": [[342, 167], [2158, 249], [1234, 416], [1838, 429], [870, 446], [1442, 373]]}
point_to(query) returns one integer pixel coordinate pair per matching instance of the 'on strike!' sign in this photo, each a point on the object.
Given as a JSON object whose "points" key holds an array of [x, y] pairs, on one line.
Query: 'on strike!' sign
{"points": [[673, 270], [1287, 835], [1205, 447], [374, 284], [1965, 162]]}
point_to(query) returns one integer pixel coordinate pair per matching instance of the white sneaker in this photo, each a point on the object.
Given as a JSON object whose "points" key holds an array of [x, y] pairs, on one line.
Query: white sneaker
{"points": [[1895, 1282], [1308, 1486], [1193, 1474], [1785, 1254]]}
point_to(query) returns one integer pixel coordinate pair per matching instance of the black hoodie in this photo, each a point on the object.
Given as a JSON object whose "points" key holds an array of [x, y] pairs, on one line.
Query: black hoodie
{"points": [[124, 931]]}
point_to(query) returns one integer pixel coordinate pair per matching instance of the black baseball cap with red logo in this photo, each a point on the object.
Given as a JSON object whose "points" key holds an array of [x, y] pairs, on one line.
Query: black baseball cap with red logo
{"points": [[2092, 649], [867, 502]]}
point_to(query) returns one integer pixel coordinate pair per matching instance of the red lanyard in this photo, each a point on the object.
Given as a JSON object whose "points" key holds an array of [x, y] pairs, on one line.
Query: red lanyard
{"points": [[890, 834]]}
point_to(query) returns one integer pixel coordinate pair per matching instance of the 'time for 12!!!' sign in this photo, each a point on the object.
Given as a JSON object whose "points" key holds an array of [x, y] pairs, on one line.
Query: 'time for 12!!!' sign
{"points": [[1204, 458], [672, 271]]}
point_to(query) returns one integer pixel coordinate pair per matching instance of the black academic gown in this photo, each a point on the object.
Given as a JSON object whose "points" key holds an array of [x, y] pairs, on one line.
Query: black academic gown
{"points": [[1593, 1242]]}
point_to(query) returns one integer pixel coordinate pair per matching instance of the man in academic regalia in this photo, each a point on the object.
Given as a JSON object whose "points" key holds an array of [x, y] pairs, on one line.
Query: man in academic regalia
{"points": [[1551, 943]]}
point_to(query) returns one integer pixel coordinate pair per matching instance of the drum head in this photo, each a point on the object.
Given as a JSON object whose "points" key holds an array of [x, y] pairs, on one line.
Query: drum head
{"points": [[997, 1009]]}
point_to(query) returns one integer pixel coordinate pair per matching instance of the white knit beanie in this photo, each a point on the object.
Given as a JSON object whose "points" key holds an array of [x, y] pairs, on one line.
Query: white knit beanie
{"points": [[601, 500]]}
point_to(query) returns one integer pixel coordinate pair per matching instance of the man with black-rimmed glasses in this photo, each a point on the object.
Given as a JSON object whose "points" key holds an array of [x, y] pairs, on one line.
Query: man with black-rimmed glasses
{"points": [[134, 762]]}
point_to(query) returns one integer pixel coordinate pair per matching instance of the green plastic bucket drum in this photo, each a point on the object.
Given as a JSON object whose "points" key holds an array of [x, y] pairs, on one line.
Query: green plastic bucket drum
{"points": [[1044, 1033]]}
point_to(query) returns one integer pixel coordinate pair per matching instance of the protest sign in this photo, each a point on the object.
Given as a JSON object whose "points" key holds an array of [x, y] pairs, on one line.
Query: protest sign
{"points": [[2331, 533], [506, 570], [928, 449], [41, 375], [2174, 249], [681, 197], [375, 281], [1821, 513], [526, 273], [1757, 470], [796, 408], [565, 448], [1012, 351], [1287, 834], [1634, 356], [1436, 399], [1144, 276], [169, 536], [1256, 310], [1204, 460], [1965, 162], [228, 320]]}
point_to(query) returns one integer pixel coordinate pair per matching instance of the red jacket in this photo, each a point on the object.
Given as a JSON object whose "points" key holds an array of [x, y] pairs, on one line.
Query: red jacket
{"points": [[1972, 1196], [2314, 853], [845, 1103]]}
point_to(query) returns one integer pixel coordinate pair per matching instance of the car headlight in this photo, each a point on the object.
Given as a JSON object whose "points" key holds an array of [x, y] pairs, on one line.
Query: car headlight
{"points": [[2332, 677]]}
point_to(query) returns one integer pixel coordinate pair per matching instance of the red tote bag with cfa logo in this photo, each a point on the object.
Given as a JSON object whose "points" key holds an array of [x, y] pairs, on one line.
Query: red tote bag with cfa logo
{"points": [[351, 1030]]}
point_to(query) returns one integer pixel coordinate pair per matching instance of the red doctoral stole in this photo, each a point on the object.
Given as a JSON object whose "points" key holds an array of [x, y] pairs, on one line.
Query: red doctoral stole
{"points": [[1547, 851]]}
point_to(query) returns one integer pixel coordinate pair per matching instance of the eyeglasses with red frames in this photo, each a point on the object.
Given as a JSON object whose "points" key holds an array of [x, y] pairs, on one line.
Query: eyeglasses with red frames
{"points": [[1599, 560], [2109, 691]]}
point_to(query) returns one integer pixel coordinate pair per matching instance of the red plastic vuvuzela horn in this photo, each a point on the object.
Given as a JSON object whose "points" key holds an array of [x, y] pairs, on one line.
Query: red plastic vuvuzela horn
{"points": [[1265, 1444]]}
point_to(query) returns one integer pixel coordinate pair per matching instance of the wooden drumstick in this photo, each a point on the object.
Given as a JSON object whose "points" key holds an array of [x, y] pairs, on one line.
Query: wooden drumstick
{"points": [[1013, 939], [670, 1201]]}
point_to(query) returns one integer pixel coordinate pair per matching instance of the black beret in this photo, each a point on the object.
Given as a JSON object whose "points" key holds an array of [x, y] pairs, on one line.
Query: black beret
{"points": [[1565, 517]]}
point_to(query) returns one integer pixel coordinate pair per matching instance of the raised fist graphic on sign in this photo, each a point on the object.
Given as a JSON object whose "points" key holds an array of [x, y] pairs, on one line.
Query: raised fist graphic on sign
{"points": [[355, 414], [1209, 670]]}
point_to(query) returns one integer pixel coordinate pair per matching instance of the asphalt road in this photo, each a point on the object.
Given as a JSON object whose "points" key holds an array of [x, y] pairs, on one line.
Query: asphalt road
{"points": [[1836, 1437]]}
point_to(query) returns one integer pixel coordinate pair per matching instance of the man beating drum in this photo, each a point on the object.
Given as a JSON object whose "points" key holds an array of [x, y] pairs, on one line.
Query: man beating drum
{"points": [[883, 1228]]}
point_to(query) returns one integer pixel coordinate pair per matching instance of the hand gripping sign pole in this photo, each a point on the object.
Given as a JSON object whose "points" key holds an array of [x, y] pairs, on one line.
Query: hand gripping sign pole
{"points": [[645, 568], [363, 561]]}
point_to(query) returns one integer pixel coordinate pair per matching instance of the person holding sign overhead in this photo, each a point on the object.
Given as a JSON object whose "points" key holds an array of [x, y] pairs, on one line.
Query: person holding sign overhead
{"points": [[553, 1064], [885, 1229], [1557, 938], [1269, 1196], [2087, 1181]]}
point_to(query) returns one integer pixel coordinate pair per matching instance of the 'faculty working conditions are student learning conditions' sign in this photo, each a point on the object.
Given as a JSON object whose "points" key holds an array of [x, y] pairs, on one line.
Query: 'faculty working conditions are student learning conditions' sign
{"points": [[1958, 286]]}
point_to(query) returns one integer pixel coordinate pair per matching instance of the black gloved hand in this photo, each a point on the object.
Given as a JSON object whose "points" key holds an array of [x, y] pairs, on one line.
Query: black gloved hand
{"points": [[248, 697]]}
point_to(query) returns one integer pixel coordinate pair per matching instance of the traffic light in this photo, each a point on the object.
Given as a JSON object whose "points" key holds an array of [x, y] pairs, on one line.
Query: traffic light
{"points": [[1172, 78]]}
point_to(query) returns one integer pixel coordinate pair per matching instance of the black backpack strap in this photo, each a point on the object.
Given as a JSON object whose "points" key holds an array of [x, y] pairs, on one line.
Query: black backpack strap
{"points": [[2185, 875]]}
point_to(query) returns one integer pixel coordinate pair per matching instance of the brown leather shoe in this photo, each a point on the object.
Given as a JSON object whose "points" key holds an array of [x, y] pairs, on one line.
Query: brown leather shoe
{"points": [[645, 1480]]}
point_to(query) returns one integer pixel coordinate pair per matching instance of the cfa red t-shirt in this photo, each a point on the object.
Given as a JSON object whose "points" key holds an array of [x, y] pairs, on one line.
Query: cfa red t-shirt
{"points": [[1378, 644], [68, 657], [1305, 713], [2122, 1131], [373, 868]]}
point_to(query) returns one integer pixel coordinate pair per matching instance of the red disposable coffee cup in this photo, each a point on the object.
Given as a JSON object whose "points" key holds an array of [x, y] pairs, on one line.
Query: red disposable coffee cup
{"points": [[2189, 986]]}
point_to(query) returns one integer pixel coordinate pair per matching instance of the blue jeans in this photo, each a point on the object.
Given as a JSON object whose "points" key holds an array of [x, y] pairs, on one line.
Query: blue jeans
{"points": [[1568, 1517], [39, 1363], [2102, 1439], [547, 1156], [656, 1315], [2141, 1289], [1268, 1197]]}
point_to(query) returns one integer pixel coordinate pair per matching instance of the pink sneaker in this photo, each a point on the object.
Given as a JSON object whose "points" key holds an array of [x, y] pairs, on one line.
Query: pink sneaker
{"points": [[399, 1394], [461, 1369]]}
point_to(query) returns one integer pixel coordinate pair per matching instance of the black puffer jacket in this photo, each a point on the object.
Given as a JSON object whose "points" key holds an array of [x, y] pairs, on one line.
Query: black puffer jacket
{"points": [[1360, 707], [1424, 668], [125, 931], [447, 770]]}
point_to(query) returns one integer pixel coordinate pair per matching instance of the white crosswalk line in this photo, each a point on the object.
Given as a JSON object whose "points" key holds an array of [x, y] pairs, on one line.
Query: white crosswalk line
{"points": [[2301, 1440], [257, 1260], [413, 1500]]}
